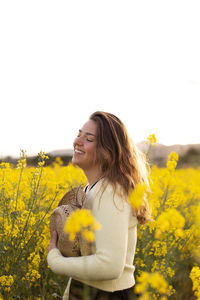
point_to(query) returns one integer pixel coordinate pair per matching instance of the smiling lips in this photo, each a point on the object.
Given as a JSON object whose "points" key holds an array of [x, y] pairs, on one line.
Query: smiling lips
{"points": [[78, 151]]}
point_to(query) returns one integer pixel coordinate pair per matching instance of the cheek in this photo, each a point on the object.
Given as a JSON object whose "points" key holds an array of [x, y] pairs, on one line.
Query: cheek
{"points": [[93, 154], [91, 150]]}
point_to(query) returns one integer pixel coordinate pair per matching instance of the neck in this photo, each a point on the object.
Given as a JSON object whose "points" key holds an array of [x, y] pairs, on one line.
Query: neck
{"points": [[92, 176]]}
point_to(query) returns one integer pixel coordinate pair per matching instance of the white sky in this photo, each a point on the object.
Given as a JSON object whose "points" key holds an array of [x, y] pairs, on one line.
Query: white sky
{"points": [[62, 60]]}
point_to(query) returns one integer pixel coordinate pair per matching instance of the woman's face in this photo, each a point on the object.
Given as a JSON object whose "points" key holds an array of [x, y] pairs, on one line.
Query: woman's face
{"points": [[85, 146]]}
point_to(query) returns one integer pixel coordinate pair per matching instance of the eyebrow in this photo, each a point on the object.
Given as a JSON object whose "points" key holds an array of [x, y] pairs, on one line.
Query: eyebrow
{"points": [[87, 133]]}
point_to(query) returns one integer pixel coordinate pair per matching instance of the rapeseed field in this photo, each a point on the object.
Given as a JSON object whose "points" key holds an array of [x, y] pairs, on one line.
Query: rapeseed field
{"points": [[167, 258]]}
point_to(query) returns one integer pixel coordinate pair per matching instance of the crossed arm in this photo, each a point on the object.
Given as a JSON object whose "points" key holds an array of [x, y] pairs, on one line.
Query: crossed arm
{"points": [[111, 244]]}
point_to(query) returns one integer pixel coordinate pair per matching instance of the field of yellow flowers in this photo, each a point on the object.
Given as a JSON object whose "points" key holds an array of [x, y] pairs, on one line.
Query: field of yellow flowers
{"points": [[168, 249]]}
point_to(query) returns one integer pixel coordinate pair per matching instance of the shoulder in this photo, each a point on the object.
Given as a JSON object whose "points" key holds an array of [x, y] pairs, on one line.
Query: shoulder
{"points": [[106, 186], [106, 194]]}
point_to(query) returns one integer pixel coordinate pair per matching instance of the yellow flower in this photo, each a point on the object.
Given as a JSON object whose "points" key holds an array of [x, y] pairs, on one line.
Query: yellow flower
{"points": [[173, 156], [34, 259], [151, 281], [81, 220], [169, 220], [195, 277], [158, 283], [58, 162], [22, 161], [88, 235], [170, 272], [197, 214], [159, 248], [145, 296], [137, 195], [142, 284], [6, 281], [42, 157], [32, 275], [172, 161], [152, 139], [4, 165]]}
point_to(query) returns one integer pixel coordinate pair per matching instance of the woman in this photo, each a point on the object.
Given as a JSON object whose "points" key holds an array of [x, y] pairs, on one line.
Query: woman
{"points": [[113, 167]]}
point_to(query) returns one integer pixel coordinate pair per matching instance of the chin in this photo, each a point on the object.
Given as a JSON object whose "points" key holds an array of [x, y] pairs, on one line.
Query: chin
{"points": [[76, 163]]}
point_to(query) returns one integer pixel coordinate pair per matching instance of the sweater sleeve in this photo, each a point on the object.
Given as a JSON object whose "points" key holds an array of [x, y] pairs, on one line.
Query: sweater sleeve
{"points": [[108, 262]]}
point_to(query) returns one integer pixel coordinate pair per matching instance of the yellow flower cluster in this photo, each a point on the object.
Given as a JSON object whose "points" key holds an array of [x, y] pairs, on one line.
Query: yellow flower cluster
{"points": [[169, 220], [171, 242], [159, 248], [28, 196], [148, 281], [42, 158], [152, 139], [31, 276], [137, 195], [81, 220], [195, 276], [58, 162], [33, 268], [22, 161], [6, 282], [4, 165], [172, 161]]}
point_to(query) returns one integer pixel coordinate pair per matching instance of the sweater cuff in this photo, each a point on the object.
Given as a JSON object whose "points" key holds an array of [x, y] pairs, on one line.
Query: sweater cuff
{"points": [[53, 254]]}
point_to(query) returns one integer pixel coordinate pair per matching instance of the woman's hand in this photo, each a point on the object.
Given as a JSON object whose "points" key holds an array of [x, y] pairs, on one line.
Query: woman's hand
{"points": [[53, 241]]}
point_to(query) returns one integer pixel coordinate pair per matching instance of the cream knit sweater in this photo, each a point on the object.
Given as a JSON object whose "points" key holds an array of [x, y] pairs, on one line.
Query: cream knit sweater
{"points": [[110, 267]]}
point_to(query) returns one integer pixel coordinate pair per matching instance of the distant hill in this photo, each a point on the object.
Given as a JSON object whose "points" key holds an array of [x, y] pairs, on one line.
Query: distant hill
{"points": [[189, 155], [64, 152], [162, 151]]}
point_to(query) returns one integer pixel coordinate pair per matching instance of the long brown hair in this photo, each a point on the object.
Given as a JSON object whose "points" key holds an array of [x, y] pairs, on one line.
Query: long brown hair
{"points": [[121, 161]]}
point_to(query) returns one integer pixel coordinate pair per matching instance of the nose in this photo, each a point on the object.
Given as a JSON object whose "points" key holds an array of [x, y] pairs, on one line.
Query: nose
{"points": [[78, 141]]}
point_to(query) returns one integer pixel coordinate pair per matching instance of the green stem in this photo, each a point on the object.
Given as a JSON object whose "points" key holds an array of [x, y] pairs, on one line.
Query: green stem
{"points": [[20, 177], [16, 200], [165, 197]]}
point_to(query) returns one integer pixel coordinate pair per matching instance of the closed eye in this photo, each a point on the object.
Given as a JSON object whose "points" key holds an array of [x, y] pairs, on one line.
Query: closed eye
{"points": [[87, 134], [87, 139]]}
